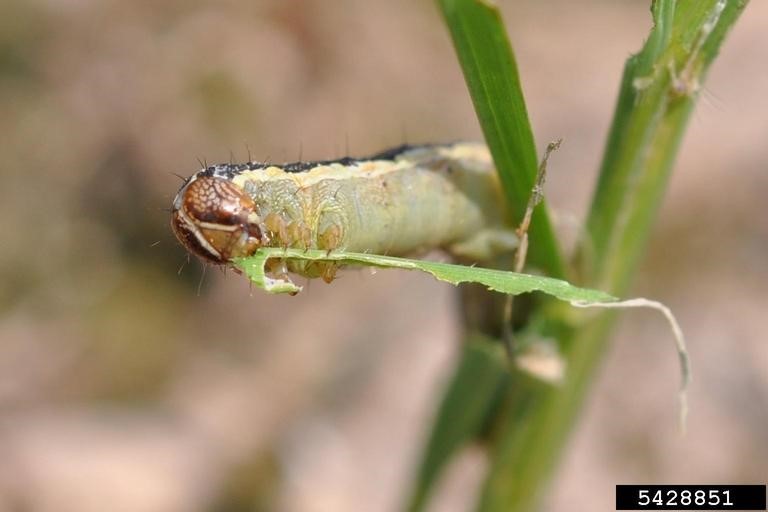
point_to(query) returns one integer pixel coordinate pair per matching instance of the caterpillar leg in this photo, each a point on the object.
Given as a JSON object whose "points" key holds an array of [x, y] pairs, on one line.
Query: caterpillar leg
{"points": [[329, 239], [314, 269], [278, 227], [300, 234], [328, 271]]}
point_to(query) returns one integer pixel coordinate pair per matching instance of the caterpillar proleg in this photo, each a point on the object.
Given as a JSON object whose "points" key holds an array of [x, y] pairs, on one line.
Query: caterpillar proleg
{"points": [[398, 202]]}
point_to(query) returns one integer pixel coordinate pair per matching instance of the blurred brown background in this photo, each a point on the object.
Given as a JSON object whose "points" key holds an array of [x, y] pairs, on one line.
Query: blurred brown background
{"points": [[132, 380]]}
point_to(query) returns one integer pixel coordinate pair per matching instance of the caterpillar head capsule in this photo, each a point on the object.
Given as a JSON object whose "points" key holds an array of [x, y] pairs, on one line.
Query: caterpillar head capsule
{"points": [[215, 220]]}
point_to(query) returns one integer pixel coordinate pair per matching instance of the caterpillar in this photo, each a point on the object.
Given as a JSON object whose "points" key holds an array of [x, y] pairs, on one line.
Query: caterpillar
{"points": [[398, 202]]}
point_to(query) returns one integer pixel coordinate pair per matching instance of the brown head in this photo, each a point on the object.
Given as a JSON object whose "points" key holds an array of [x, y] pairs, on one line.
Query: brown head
{"points": [[216, 220]]}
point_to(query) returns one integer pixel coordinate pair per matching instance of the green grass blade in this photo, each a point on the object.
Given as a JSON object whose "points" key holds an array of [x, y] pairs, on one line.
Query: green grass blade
{"points": [[496, 280], [490, 70], [472, 394]]}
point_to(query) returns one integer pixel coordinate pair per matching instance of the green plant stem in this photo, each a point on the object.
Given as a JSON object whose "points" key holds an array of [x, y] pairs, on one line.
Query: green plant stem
{"points": [[491, 74], [658, 92]]}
